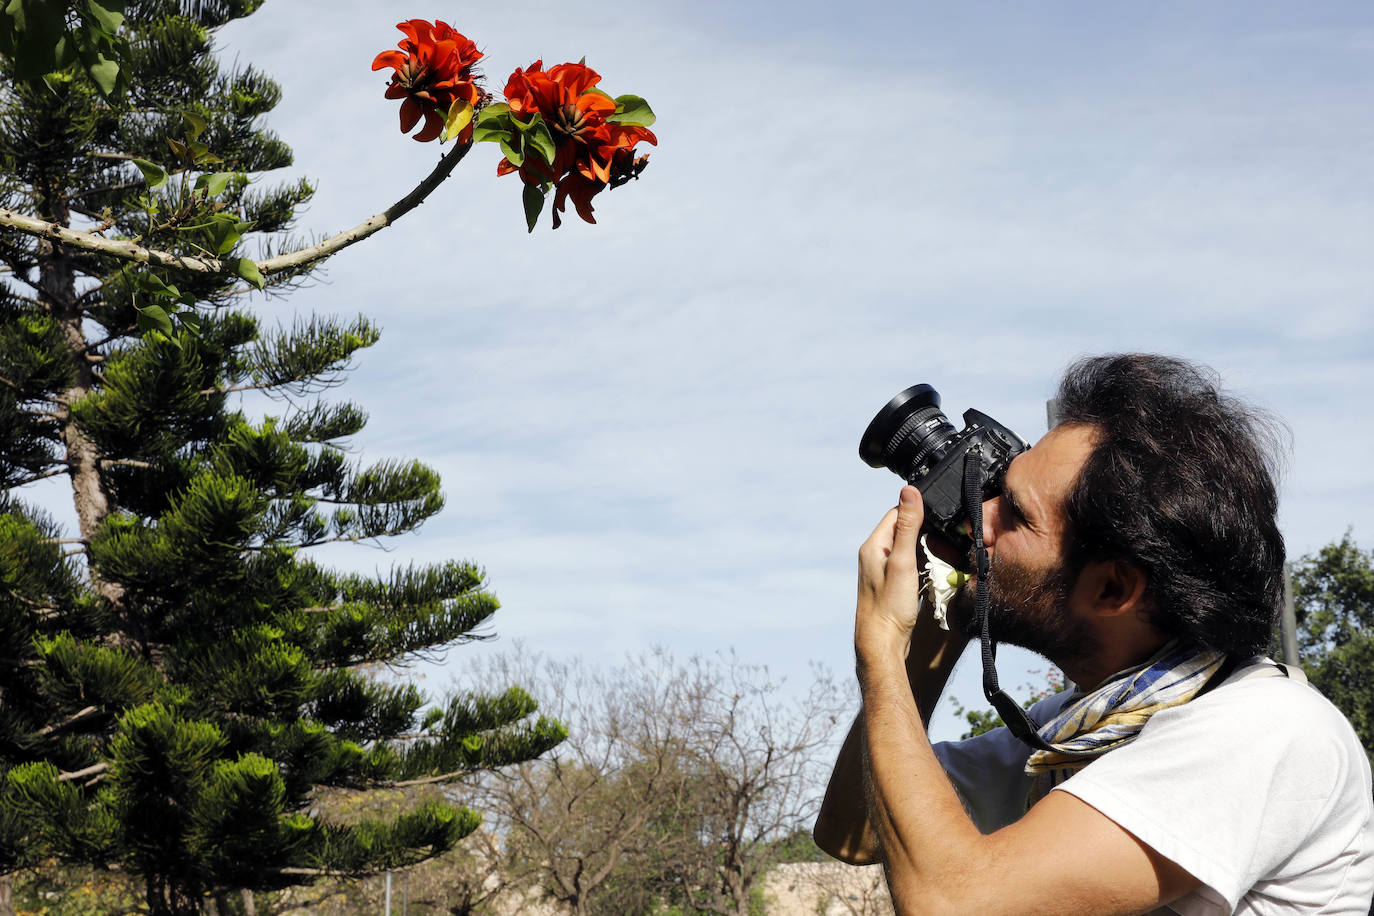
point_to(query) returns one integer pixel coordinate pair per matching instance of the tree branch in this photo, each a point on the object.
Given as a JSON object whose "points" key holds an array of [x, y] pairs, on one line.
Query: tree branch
{"points": [[131, 251], [46, 611], [93, 770], [426, 781], [105, 222], [126, 463], [55, 472], [67, 723], [234, 389]]}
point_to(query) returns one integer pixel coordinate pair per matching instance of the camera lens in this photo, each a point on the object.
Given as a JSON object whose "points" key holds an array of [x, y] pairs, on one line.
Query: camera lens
{"points": [[907, 432]]}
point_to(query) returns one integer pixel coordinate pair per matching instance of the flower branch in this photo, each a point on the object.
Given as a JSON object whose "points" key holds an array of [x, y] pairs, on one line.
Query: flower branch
{"points": [[132, 251]]}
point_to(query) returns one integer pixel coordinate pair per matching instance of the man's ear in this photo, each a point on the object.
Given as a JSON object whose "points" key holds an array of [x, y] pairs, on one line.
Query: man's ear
{"points": [[1112, 588]]}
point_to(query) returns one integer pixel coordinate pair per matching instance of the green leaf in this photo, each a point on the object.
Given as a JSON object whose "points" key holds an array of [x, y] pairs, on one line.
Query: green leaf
{"points": [[35, 31], [154, 174], [105, 73], [524, 126], [534, 205], [493, 123], [214, 183], [64, 53], [542, 141], [224, 232], [201, 153], [632, 111], [601, 92], [195, 124], [516, 158], [489, 134], [16, 11], [190, 321], [153, 285], [247, 268], [154, 318], [106, 19]]}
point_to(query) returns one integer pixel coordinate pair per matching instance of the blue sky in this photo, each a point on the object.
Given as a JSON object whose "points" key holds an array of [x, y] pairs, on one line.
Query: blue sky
{"points": [[648, 428]]}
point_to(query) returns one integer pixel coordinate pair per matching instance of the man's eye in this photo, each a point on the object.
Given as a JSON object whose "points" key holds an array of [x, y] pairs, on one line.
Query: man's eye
{"points": [[1014, 514]]}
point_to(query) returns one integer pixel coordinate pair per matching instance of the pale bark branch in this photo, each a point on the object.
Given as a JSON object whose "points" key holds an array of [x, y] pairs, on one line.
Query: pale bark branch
{"points": [[312, 872], [426, 781], [234, 389], [132, 251], [45, 611], [67, 723], [93, 770], [126, 463]]}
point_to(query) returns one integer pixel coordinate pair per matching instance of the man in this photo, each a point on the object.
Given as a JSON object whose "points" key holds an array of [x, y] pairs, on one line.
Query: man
{"points": [[1136, 546]]}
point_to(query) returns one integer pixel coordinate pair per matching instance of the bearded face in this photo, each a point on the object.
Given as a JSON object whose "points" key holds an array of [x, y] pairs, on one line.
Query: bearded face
{"points": [[1028, 608]]}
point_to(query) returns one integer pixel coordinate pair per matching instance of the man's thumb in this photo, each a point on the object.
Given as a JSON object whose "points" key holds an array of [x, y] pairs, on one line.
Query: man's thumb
{"points": [[910, 515]]}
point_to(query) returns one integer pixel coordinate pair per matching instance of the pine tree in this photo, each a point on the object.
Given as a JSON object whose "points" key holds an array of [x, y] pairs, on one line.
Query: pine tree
{"points": [[178, 677], [1333, 590]]}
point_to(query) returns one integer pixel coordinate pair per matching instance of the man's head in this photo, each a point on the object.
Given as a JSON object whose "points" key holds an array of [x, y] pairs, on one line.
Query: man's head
{"points": [[1155, 492], [1179, 484]]}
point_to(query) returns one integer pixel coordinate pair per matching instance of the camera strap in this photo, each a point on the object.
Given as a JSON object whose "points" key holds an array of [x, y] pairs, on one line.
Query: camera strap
{"points": [[1011, 712]]}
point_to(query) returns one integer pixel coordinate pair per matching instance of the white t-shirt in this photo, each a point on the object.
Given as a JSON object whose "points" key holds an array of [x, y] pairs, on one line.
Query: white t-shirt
{"points": [[1259, 789]]}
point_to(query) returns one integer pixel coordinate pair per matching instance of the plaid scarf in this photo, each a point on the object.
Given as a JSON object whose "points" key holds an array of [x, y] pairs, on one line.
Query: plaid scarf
{"points": [[1114, 713]]}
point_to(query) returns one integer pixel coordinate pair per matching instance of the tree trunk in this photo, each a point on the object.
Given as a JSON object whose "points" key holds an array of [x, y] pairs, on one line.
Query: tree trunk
{"points": [[57, 291], [6, 896], [167, 899]]}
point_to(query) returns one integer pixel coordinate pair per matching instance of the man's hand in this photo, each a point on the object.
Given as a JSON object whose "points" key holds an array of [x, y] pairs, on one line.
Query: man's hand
{"points": [[889, 582], [888, 602]]}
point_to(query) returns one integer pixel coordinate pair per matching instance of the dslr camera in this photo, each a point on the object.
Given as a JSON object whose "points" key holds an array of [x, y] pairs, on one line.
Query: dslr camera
{"points": [[913, 439]]}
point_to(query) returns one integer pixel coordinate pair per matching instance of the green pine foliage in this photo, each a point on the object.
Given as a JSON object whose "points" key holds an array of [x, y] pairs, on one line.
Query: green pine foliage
{"points": [[1333, 591], [178, 680]]}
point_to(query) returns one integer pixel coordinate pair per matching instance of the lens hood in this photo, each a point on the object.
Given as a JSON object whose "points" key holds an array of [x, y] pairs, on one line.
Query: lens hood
{"points": [[877, 439]]}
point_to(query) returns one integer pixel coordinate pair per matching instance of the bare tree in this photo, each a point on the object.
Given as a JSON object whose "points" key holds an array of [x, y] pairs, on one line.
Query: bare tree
{"points": [[571, 819], [757, 758], [676, 786], [834, 888]]}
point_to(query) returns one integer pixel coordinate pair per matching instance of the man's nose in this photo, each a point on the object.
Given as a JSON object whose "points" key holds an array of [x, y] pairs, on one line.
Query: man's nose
{"points": [[992, 519]]}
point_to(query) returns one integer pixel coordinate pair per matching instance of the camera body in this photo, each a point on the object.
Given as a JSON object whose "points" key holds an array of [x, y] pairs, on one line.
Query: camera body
{"points": [[913, 439]]}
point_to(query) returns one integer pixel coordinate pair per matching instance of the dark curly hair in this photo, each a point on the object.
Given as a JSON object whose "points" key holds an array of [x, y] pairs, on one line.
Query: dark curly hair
{"points": [[1180, 483]]}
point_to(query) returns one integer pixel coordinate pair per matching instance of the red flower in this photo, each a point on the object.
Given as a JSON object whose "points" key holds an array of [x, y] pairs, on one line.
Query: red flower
{"points": [[621, 166], [433, 71], [592, 153]]}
